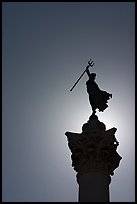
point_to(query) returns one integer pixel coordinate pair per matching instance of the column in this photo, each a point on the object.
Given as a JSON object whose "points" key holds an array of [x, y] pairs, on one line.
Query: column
{"points": [[94, 158]]}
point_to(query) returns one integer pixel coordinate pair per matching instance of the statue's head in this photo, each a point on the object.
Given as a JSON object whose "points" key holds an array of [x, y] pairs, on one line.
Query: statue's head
{"points": [[93, 76]]}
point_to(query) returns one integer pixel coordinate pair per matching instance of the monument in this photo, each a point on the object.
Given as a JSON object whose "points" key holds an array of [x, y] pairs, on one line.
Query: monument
{"points": [[94, 150]]}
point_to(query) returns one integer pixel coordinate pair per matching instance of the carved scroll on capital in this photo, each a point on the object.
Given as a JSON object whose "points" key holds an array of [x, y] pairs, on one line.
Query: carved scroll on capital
{"points": [[94, 148]]}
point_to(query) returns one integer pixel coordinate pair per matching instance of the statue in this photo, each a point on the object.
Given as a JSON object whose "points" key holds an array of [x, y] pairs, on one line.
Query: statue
{"points": [[97, 97]]}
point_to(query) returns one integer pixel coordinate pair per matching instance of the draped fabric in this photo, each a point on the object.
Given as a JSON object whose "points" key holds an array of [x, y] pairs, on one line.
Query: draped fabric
{"points": [[98, 98]]}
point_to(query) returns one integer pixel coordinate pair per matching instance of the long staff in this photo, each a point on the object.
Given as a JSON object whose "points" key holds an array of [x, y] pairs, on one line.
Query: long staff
{"points": [[90, 64]]}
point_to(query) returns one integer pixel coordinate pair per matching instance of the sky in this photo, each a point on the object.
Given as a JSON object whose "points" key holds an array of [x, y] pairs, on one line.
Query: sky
{"points": [[45, 49]]}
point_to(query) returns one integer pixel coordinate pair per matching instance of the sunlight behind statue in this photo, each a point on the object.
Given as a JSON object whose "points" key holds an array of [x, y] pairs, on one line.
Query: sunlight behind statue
{"points": [[97, 97]]}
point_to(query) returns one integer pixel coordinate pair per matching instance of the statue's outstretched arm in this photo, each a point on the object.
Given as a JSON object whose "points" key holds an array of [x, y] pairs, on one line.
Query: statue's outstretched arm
{"points": [[87, 71]]}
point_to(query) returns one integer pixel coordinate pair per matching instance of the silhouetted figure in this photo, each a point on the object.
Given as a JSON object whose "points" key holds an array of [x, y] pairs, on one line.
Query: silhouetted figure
{"points": [[97, 98]]}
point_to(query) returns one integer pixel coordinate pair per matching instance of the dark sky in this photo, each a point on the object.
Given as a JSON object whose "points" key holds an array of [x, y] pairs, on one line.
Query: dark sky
{"points": [[45, 48]]}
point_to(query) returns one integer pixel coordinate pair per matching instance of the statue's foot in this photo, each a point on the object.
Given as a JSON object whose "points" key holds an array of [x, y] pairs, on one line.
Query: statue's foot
{"points": [[94, 112], [93, 116]]}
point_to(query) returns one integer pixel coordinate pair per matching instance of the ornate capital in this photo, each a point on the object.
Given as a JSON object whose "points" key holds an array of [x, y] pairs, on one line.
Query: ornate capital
{"points": [[95, 148]]}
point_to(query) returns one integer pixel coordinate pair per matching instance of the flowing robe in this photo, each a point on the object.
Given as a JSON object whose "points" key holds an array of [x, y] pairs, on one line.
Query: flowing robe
{"points": [[97, 97]]}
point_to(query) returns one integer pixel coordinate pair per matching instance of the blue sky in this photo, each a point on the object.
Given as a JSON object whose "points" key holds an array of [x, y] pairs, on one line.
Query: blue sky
{"points": [[45, 48]]}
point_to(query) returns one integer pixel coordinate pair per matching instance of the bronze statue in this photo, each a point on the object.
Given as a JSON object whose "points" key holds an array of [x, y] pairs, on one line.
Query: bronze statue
{"points": [[97, 98]]}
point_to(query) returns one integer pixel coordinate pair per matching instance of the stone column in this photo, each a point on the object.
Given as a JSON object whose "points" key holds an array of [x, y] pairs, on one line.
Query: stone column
{"points": [[94, 158]]}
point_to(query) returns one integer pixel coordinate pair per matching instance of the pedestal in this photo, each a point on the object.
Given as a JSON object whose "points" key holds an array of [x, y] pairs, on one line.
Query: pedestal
{"points": [[94, 158]]}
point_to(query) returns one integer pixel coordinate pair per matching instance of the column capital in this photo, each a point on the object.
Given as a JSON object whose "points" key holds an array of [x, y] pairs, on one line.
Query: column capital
{"points": [[94, 149]]}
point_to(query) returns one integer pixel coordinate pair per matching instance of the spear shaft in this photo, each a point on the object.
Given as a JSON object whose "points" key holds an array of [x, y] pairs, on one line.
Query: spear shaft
{"points": [[77, 80]]}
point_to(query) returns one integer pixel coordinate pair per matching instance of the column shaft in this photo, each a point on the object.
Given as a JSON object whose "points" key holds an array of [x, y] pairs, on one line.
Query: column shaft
{"points": [[93, 187]]}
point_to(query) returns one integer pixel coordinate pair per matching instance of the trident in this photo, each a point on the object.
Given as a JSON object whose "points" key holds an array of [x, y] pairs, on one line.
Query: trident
{"points": [[90, 64]]}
